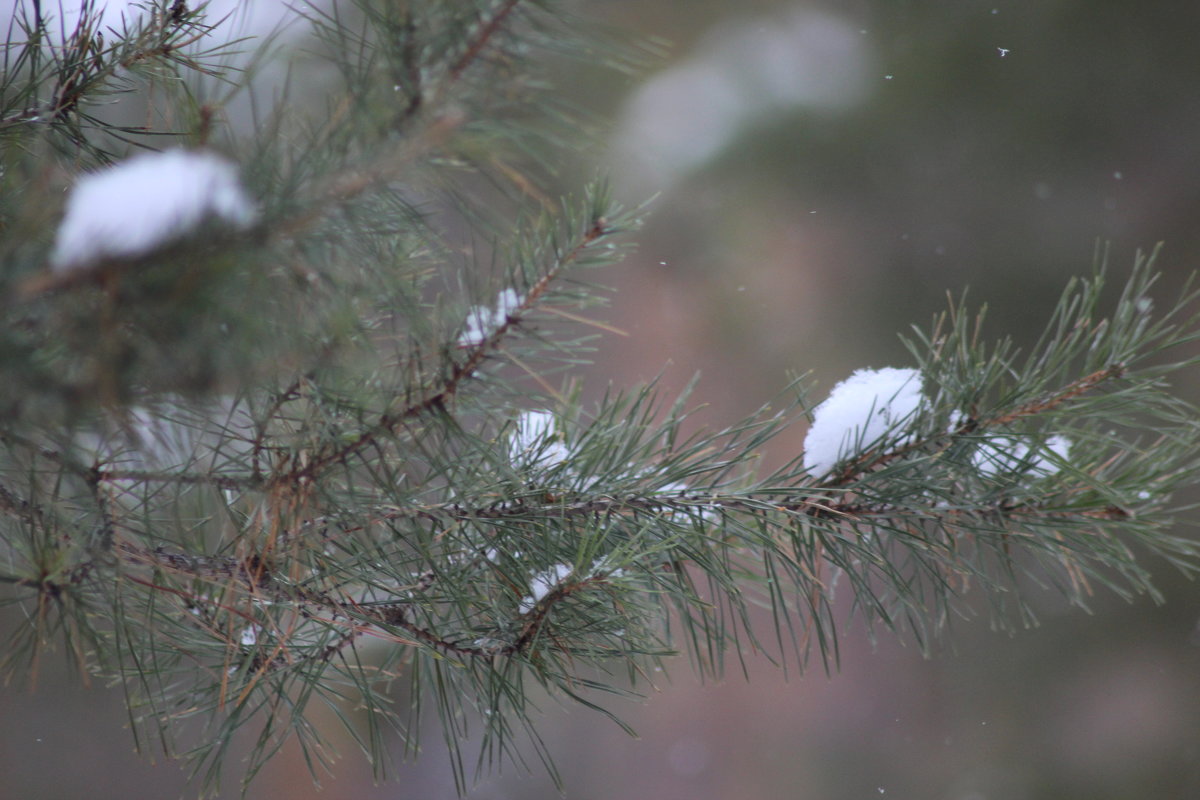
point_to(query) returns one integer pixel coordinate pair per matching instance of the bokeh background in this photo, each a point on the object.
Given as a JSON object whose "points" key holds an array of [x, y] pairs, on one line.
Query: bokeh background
{"points": [[826, 172]]}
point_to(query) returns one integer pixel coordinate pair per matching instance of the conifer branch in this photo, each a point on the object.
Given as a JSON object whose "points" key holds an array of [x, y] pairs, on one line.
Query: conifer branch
{"points": [[476, 45], [21, 508], [257, 434], [443, 395], [871, 460], [1065, 395]]}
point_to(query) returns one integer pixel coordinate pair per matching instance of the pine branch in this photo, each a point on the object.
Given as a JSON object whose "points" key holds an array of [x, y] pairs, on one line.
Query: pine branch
{"points": [[249, 467], [475, 47], [442, 396]]}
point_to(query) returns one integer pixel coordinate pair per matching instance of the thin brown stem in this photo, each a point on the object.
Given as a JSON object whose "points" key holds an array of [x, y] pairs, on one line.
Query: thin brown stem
{"points": [[1068, 393], [873, 460], [476, 46], [443, 396], [232, 482]]}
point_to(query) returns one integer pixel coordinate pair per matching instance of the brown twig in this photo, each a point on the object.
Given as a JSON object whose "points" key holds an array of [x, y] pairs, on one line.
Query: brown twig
{"points": [[476, 47], [1068, 393], [443, 395], [21, 508]]}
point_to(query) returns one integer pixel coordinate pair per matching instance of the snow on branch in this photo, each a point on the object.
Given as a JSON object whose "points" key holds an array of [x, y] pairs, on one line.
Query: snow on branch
{"points": [[542, 584], [1009, 455], [152, 199], [859, 411], [536, 441], [482, 321]]}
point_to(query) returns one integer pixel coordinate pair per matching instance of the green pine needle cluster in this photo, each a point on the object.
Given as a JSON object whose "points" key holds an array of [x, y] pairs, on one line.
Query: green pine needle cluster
{"points": [[338, 460]]}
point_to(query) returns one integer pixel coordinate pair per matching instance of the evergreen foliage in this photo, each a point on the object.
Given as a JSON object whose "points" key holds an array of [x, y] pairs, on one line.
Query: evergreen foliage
{"points": [[335, 457]]}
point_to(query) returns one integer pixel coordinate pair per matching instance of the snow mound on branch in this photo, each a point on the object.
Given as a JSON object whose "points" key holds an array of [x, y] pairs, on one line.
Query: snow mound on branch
{"points": [[1009, 454], [536, 441], [542, 584], [859, 411], [145, 202], [482, 321]]}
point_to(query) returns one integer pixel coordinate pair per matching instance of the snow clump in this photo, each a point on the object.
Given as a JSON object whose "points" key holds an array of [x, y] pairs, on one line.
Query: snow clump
{"points": [[542, 584], [146, 201], [250, 635], [482, 321], [536, 441], [858, 412], [1009, 454]]}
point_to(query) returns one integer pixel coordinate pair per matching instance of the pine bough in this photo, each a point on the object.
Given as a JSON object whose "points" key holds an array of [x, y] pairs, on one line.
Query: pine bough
{"points": [[260, 454]]}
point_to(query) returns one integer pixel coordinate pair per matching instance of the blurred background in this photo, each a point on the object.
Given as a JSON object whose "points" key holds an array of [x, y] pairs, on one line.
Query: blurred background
{"points": [[825, 173]]}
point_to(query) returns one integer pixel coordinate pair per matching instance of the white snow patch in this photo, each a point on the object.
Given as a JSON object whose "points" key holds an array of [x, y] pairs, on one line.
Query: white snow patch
{"points": [[250, 635], [482, 321], [146, 201], [1010, 454], [704, 512], [860, 410], [536, 441], [542, 584]]}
